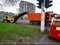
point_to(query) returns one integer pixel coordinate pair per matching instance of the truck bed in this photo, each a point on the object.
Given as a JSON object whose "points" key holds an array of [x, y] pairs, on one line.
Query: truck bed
{"points": [[34, 16]]}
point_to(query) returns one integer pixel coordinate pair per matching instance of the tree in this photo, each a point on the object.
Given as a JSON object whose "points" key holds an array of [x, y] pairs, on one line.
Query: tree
{"points": [[11, 2]]}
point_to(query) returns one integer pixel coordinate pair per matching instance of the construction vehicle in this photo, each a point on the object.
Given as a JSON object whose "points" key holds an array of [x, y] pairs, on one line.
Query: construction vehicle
{"points": [[35, 18], [12, 19]]}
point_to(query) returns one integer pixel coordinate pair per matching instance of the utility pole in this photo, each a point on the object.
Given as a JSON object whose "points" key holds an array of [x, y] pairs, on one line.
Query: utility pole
{"points": [[42, 4], [43, 16]]}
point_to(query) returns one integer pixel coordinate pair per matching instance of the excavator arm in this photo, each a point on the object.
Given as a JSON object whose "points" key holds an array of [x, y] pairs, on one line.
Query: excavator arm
{"points": [[19, 15]]}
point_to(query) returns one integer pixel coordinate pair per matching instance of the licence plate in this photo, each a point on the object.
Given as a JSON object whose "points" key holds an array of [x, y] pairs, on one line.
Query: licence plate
{"points": [[57, 28]]}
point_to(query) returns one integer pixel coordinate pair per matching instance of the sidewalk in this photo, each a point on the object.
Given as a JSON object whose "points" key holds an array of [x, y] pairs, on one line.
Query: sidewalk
{"points": [[46, 40]]}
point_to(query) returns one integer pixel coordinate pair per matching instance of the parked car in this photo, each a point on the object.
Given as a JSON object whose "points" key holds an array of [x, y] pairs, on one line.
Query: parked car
{"points": [[55, 29]]}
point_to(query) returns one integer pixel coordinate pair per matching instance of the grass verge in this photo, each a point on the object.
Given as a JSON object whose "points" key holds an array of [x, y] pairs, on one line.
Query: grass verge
{"points": [[11, 30]]}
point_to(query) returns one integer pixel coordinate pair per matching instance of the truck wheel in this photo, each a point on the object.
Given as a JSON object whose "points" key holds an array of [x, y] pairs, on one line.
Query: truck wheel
{"points": [[39, 22], [48, 24], [35, 22], [31, 22]]}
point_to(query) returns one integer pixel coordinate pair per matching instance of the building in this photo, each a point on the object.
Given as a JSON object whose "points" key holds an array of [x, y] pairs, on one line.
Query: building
{"points": [[26, 7]]}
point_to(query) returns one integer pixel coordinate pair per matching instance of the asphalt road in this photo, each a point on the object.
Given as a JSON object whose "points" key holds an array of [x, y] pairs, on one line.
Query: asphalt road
{"points": [[48, 41], [26, 22]]}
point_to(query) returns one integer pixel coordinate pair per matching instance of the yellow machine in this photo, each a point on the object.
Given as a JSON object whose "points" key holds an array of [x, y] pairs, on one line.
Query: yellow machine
{"points": [[12, 19], [8, 19]]}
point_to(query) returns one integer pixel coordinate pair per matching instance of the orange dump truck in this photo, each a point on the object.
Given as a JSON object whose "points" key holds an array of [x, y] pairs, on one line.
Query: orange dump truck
{"points": [[35, 18]]}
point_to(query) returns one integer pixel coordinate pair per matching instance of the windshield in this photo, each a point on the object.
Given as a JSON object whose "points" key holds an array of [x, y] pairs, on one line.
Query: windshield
{"points": [[58, 17], [56, 21]]}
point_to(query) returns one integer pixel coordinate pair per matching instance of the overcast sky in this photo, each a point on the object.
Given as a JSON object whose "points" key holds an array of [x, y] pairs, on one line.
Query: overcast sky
{"points": [[55, 8]]}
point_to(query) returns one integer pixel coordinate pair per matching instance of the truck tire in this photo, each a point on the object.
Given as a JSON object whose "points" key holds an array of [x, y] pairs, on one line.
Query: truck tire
{"points": [[32, 22], [35, 22], [48, 24]]}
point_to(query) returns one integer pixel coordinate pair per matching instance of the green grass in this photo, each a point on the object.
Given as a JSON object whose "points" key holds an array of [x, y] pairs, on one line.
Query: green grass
{"points": [[10, 30], [20, 40]]}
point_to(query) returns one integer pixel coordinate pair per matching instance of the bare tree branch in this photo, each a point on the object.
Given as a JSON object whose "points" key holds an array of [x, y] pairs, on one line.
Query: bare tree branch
{"points": [[12, 2]]}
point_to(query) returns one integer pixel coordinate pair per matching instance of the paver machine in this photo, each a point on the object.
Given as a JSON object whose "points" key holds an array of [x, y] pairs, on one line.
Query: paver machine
{"points": [[12, 19]]}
